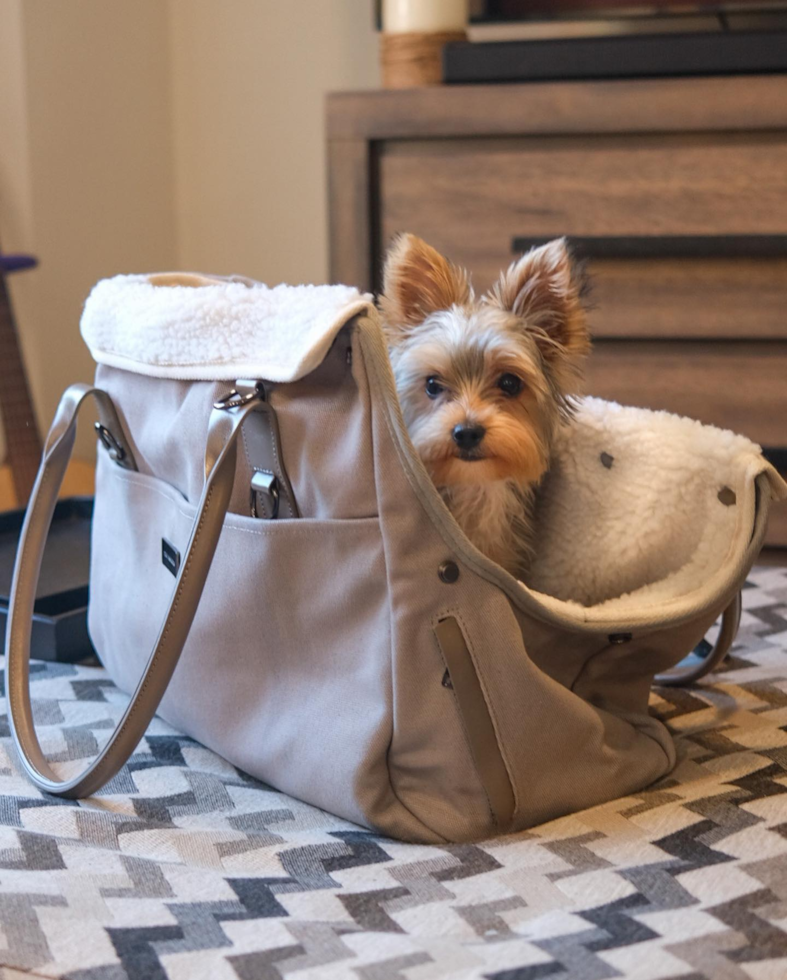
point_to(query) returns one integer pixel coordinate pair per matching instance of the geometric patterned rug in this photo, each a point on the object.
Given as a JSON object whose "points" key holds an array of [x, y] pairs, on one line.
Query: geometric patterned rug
{"points": [[183, 868]]}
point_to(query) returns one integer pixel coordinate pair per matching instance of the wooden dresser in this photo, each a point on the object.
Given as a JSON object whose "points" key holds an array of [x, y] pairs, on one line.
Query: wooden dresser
{"points": [[675, 189]]}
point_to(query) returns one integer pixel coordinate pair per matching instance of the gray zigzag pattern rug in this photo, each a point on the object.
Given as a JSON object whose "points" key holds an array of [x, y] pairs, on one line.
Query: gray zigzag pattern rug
{"points": [[185, 869]]}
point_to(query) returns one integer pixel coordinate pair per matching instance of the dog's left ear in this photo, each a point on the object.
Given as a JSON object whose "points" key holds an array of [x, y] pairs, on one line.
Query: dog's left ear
{"points": [[545, 288]]}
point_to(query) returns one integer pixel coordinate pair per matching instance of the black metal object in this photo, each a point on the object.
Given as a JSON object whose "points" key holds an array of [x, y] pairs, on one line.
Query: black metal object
{"points": [[627, 56], [668, 246], [60, 616]]}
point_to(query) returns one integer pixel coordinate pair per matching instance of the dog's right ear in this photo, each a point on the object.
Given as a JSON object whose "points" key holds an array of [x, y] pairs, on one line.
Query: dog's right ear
{"points": [[417, 281]]}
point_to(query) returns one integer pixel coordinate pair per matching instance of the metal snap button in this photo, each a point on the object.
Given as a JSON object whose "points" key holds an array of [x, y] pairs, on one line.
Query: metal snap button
{"points": [[617, 638], [448, 572]]}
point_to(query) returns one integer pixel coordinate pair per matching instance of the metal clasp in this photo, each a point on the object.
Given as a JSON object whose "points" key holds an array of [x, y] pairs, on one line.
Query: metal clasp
{"points": [[243, 393], [264, 495], [116, 452]]}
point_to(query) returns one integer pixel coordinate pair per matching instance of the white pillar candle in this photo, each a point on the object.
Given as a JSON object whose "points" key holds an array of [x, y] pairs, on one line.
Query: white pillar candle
{"points": [[424, 16]]}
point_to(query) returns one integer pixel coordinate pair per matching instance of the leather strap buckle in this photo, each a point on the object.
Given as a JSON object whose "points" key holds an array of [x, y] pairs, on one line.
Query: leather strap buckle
{"points": [[264, 495], [116, 452]]}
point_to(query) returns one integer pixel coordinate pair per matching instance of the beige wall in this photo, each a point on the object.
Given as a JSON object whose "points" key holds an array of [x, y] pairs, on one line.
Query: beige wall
{"points": [[250, 77], [151, 135], [95, 173]]}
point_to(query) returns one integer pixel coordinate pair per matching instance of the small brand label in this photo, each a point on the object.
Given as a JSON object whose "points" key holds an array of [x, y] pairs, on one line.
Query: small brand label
{"points": [[170, 556]]}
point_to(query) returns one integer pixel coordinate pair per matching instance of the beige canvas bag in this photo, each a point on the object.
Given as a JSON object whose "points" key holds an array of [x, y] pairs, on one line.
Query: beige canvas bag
{"points": [[274, 573]]}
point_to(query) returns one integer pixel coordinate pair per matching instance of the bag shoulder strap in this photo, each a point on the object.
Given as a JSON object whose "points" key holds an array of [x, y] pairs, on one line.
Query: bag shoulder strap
{"points": [[223, 429], [683, 676]]}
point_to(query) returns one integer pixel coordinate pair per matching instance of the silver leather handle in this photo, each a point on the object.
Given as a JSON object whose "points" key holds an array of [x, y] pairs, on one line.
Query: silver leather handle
{"points": [[730, 620], [223, 429]]}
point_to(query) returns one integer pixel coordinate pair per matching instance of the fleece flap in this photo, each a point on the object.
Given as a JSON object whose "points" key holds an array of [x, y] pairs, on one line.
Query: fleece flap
{"points": [[192, 327]]}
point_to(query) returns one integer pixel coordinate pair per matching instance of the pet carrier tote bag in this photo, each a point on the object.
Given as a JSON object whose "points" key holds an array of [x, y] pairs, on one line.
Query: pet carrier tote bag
{"points": [[314, 613]]}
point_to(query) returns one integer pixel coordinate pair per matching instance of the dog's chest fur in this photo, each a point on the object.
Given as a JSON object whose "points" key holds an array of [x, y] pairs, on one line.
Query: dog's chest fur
{"points": [[497, 518]]}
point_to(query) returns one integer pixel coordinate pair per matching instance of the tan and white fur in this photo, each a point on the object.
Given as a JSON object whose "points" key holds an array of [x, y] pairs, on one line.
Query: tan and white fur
{"points": [[484, 383]]}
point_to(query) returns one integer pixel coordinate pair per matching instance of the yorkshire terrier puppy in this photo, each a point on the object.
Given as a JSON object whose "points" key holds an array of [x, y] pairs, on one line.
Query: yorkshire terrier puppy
{"points": [[484, 383]]}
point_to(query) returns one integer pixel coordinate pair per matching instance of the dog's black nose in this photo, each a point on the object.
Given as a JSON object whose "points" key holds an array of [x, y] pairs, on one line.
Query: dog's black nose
{"points": [[468, 436]]}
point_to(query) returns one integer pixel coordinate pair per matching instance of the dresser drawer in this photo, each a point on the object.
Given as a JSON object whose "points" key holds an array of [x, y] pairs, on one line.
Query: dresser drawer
{"points": [[472, 198], [689, 298], [735, 385], [471, 168]]}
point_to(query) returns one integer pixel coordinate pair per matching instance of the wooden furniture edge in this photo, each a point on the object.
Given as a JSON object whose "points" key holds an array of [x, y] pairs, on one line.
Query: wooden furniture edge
{"points": [[352, 252], [752, 102]]}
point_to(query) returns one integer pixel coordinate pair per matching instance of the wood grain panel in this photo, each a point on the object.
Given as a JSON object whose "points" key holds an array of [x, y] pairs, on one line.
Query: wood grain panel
{"points": [[691, 298], [350, 213], [472, 197], [735, 385], [645, 105]]}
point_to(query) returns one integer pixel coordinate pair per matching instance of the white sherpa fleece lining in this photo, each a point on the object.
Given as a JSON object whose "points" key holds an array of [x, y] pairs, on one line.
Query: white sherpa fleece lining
{"points": [[641, 509], [192, 327]]}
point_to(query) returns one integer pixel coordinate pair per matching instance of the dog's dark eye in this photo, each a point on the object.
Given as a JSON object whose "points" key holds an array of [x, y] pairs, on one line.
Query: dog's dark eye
{"points": [[510, 384], [433, 387]]}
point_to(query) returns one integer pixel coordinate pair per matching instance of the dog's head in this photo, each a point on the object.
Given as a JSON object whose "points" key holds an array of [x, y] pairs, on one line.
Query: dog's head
{"points": [[484, 383]]}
